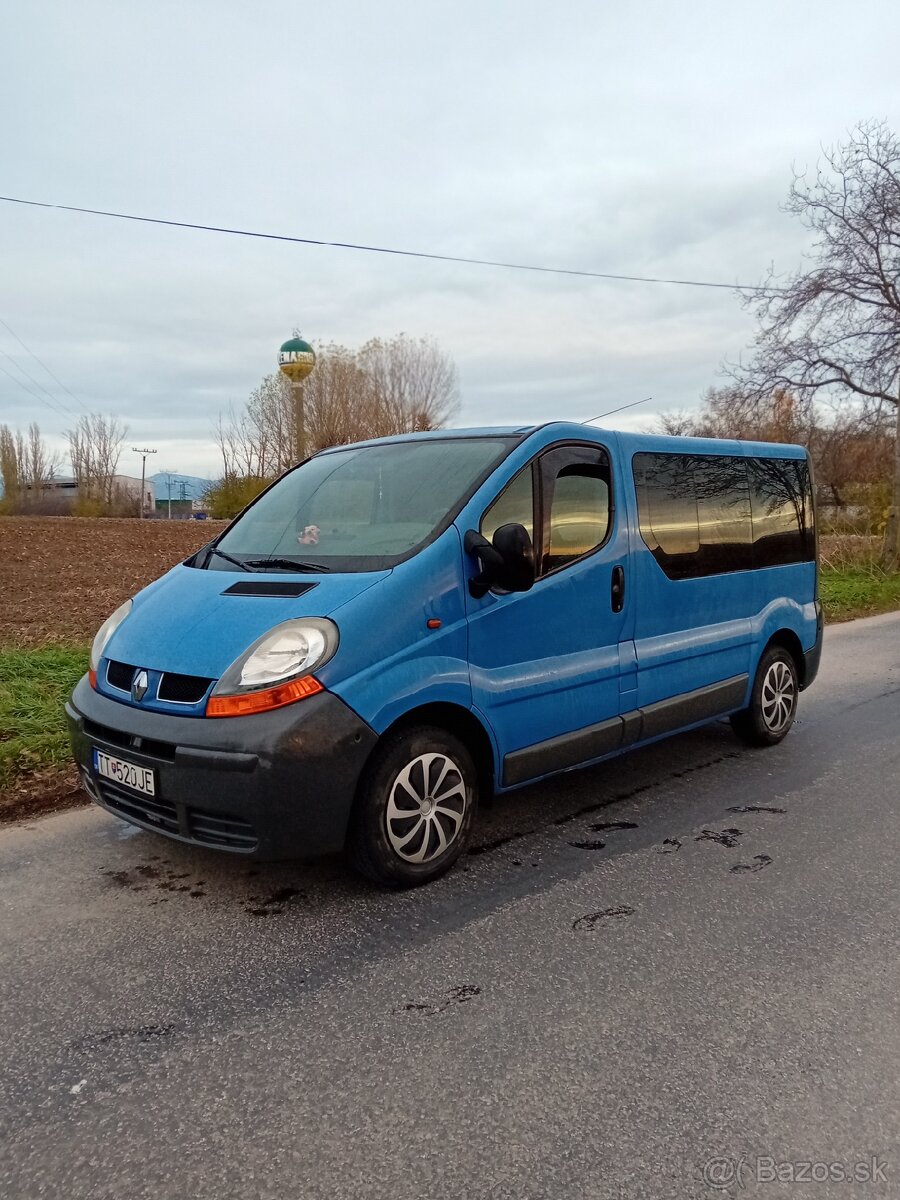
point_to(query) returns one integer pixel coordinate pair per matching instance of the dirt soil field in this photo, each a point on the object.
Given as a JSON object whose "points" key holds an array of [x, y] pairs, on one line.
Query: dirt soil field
{"points": [[62, 576]]}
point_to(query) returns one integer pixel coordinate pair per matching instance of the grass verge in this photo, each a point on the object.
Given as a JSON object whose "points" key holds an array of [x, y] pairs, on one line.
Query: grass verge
{"points": [[35, 767], [850, 592]]}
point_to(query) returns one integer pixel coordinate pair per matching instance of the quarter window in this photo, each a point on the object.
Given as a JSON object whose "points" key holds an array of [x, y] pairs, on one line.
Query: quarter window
{"points": [[514, 505]]}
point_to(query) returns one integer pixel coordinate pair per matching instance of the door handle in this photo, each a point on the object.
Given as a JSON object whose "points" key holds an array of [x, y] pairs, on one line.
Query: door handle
{"points": [[617, 589]]}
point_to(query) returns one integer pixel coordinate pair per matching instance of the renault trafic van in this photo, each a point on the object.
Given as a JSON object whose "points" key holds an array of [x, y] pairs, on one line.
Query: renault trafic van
{"points": [[397, 627]]}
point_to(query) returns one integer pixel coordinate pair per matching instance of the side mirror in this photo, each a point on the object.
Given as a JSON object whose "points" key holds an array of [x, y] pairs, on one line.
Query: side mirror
{"points": [[507, 564]]}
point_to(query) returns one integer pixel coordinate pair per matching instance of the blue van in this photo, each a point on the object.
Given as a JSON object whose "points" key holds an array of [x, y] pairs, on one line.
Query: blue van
{"points": [[397, 627]]}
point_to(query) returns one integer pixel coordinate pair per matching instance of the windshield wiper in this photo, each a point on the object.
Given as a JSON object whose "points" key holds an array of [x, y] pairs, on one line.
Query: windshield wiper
{"points": [[235, 561], [286, 564]]}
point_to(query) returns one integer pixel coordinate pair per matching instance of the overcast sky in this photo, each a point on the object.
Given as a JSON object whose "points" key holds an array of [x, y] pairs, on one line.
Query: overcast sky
{"points": [[647, 138]]}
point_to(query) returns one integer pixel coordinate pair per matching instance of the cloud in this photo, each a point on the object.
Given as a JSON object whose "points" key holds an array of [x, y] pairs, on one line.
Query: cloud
{"points": [[647, 140]]}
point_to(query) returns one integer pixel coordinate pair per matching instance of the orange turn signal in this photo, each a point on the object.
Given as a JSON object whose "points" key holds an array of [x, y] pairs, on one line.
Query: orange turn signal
{"points": [[246, 703], [92, 678]]}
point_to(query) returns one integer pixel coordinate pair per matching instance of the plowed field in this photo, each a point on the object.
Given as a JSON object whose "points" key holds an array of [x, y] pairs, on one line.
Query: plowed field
{"points": [[61, 577]]}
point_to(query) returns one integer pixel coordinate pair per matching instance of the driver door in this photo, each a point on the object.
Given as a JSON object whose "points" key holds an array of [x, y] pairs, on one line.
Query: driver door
{"points": [[545, 664]]}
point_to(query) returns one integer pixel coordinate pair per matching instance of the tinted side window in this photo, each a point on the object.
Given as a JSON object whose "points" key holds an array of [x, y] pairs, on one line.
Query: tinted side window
{"points": [[723, 509], [694, 512], [576, 504], [667, 507], [514, 505], [781, 499]]}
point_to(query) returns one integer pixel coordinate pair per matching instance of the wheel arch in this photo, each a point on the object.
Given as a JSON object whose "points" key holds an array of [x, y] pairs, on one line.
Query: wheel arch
{"points": [[465, 725], [788, 640]]}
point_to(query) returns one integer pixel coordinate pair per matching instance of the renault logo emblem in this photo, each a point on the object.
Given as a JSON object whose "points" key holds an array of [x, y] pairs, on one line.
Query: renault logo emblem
{"points": [[139, 686]]}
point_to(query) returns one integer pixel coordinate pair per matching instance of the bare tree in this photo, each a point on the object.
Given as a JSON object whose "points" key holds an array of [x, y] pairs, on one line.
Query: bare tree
{"points": [[414, 383], [238, 444], [41, 464], [12, 455], [732, 412], [95, 445], [340, 401], [835, 325], [26, 465]]}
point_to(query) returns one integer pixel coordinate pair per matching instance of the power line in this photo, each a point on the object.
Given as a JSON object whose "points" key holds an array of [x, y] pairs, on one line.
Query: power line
{"points": [[41, 363], [31, 392], [451, 258], [50, 398]]}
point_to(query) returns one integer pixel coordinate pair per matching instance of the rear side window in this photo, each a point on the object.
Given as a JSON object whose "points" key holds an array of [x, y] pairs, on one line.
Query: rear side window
{"points": [[667, 499], [781, 495], [705, 514]]}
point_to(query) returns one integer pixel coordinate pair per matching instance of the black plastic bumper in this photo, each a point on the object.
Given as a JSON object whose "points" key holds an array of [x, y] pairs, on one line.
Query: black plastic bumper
{"points": [[813, 657], [272, 785]]}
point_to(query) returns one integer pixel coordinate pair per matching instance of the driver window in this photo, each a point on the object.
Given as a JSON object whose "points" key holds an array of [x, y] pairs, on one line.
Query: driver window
{"points": [[514, 505], [577, 504]]}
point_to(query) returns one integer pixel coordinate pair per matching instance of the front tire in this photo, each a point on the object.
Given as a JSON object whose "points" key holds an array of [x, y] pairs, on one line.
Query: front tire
{"points": [[415, 807], [773, 701]]}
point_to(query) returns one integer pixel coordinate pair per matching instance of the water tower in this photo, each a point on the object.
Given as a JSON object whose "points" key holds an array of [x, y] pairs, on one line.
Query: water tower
{"points": [[296, 359]]}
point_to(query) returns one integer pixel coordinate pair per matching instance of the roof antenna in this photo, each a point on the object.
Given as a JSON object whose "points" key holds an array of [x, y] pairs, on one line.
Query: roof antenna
{"points": [[612, 411]]}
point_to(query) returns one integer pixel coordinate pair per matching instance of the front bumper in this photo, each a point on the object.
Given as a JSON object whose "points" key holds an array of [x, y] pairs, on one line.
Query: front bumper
{"points": [[271, 785]]}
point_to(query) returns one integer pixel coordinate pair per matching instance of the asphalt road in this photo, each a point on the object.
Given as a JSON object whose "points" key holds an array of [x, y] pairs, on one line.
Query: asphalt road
{"points": [[557, 1018]]}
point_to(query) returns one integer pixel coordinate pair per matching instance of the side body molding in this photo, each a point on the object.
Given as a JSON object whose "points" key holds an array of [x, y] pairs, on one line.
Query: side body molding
{"points": [[606, 737]]}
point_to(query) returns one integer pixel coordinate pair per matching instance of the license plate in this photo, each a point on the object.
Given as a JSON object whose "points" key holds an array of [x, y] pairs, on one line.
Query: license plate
{"points": [[127, 774]]}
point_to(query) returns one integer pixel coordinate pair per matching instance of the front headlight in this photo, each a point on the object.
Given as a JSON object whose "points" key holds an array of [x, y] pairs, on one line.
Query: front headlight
{"points": [[105, 632], [275, 670]]}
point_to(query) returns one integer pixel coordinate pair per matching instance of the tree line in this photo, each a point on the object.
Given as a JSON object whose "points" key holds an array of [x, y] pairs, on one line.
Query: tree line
{"points": [[389, 385], [29, 469], [852, 448]]}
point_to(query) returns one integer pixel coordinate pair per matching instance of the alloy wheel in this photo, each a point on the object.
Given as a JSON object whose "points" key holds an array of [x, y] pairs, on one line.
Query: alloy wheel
{"points": [[425, 808], [779, 696]]}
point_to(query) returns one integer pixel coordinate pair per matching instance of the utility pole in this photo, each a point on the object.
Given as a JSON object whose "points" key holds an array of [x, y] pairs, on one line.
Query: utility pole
{"points": [[143, 453]]}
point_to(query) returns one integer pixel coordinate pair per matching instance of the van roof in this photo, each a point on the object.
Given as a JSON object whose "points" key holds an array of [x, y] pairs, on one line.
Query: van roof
{"points": [[634, 442], [500, 431]]}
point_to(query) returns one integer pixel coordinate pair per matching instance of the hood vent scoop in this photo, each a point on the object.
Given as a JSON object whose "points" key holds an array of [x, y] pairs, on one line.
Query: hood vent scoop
{"points": [[270, 587]]}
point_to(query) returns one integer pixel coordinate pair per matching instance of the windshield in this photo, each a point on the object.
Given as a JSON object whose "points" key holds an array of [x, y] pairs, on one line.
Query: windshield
{"points": [[360, 509]]}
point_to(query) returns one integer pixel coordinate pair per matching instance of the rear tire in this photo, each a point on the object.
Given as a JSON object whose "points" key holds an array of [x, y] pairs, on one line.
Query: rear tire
{"points": [[414, 811], [773, 702]]}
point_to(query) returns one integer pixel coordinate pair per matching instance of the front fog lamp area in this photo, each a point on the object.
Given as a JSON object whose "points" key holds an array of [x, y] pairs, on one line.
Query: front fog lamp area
{"points": [[275, 670]]}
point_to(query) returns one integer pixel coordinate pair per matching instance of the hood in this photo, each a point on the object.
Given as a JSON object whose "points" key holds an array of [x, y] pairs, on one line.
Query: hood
{"points": [[186, 622]]}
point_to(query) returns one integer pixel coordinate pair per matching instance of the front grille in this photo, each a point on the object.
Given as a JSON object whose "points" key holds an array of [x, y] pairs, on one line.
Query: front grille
{"points": [[151, 810], [221, 831], [119, 675], [182, 689]]}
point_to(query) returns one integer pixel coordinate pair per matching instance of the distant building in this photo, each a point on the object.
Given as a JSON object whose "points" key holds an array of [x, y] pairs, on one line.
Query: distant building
{"points": [[177, 508], [65, 488], [131, 486]]}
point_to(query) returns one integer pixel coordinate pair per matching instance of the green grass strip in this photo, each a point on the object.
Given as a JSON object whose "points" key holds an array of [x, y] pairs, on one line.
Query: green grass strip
{"points": [[858, 592], [34, 685]]}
